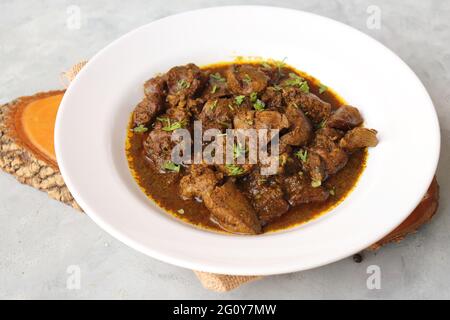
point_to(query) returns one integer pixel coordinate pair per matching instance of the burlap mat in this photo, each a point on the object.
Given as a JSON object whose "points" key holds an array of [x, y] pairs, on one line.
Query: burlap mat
{"points": [[20, 159]]}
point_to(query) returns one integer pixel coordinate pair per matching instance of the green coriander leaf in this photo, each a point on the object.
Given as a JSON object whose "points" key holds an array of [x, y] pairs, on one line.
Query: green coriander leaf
{"points": [[183, 84], [259, 105], [140, 129], [217, 77], [294, 80], [214, 89], [214, 105], [170, 126], [234, 170], [253, 97], [170, 166], [173, 126], [238, 150], [239, 100], [302, 155], [304, 87]]}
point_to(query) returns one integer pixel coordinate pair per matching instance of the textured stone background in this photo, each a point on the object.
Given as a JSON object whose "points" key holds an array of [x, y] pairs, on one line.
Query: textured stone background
{"points": [[40, 238]]}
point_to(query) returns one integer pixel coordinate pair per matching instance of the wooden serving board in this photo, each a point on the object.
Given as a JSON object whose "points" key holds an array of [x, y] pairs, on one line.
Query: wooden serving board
{"points": [[27, 152]]}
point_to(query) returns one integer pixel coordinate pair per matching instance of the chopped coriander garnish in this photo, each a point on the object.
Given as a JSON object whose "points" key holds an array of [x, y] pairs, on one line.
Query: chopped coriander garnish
{"points": [[217, 77], [239, 100], [214, 105], [316, 183], [294, 80], [259, 105], [247, 79], [304, 87], [253, 97], [322, 88], [302, 155], [183, 84], [171, 166], [171, 126], [214, 89], [140, 129], [234, 170], [280, 64], [238, 150]]}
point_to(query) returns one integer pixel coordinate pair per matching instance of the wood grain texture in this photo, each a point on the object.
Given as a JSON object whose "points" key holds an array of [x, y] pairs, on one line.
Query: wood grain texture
{"points": [[19, 158]]}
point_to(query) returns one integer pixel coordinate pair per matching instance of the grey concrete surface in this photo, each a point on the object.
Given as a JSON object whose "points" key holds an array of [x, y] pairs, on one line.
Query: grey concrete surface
{"points": [[40, 238]]}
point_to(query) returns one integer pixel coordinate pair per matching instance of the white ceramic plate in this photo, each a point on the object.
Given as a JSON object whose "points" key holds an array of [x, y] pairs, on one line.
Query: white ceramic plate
{"points": [[92, 120]]}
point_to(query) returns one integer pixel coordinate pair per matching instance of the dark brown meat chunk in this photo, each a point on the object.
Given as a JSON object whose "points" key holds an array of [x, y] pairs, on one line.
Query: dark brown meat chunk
{"points": [[201, 180], [314, 166], [231, 210], [324, 145], [152, 105], [313, 107], [299, 190], [159, 145], [329, 134], [266, 196], [195, 106], [345, 118], [156, 86], [147, 110], [184, 82], [217, 86], [218, 114], [271, 120], [300, 129], [245, 79], [359, 138], [235, 170], [272, 98], [228, 206], [244, 119], [334, 158]]}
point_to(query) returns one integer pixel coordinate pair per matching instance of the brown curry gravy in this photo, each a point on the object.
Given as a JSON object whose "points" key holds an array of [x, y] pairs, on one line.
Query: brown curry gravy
{"points": [[155, 184]]}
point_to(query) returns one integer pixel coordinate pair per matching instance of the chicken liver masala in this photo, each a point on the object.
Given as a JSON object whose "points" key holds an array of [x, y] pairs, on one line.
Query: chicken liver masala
{"points": [[323, 145]]}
